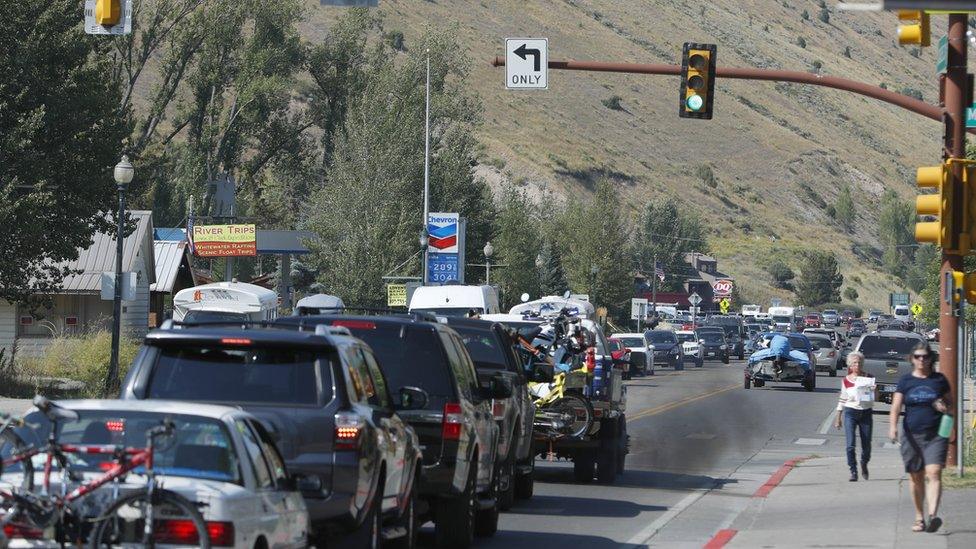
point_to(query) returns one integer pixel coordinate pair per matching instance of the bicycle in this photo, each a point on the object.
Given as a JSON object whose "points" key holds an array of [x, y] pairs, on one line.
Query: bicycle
{"points": [[130, 519]]}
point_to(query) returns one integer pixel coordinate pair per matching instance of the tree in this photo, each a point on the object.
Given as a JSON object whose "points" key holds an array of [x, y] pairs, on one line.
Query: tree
{"points": [[844, 209], [60, 136], [670, 233], [820, 280], [895, 230], [850, 294], [782, 275], [517, 245], [918, 273], [552, 279]]}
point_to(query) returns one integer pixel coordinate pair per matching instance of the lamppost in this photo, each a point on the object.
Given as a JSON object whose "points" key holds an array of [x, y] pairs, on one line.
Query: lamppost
{"points": [[424, 240], [489, 251], [593, 271], [123, 176]]}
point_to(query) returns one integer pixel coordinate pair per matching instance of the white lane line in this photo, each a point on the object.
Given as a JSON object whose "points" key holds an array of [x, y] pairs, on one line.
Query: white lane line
{"points": [[641, 538]]}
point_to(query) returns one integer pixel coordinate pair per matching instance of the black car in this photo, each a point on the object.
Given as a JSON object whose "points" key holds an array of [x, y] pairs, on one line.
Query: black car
{"points": [[325, 401], [713, 343], [857, 329], [491, 346], [667, 348], [735, 332], [457, 431]]}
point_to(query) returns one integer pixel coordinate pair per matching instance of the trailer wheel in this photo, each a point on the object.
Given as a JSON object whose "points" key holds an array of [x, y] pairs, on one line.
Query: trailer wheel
{"points": [[606, 462], [583, 463], [747, 383], [622, 446], [759, 383]]}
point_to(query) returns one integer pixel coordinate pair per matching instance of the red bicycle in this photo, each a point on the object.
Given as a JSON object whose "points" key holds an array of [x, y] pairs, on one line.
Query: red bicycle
{"points": [[133, 519]]}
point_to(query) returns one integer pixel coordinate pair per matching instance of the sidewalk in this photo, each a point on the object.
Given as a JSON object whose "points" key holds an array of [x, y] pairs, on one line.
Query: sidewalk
{"points": [[816, 506]]}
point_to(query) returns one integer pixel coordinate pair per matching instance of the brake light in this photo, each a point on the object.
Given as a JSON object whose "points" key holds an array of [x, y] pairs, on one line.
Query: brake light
{"points": [[115, 425], [348, 427], [355, 324], [831, 354], [453, 419], [22, 531], [183, 532], [498, 409], [235, 341]]}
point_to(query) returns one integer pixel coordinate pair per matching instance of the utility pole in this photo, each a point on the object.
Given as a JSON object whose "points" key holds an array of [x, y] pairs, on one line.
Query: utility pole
{"points": [[654, 286], [956, 93], [426, 171]]}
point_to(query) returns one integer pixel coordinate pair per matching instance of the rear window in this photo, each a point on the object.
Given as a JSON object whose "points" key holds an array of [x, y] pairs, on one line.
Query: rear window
{"points": [[821, 342], [632, 341], [450, 311], [483, 347], [410, 356], [200, 448], [686, 337], [887, 347], [615, 344], [712, 337], [661, 337], [245, 375], [213, 316]]}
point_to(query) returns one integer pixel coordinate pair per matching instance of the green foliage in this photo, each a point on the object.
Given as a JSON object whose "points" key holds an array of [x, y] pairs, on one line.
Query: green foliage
{"points": [[595, 233], [805, 15], [824, 15], [707, 176], [85, 359], [60, 135], [516, 245], [912, 92], [669, 232], [394, 39], [613, 103], [782, 275], [844, 209], [917, 274], [368, 213], [552, 278], [802, 42], [895, 231], [850, 294], [847, 52], [820, 280]]}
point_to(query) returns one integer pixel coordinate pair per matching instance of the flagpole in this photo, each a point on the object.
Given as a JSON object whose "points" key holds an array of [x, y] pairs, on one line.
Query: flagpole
{"points": [[654, 287]]}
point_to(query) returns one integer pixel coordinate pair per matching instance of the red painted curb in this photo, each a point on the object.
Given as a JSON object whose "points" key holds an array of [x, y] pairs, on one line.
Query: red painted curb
{"points": [[720, 539], [777, 477]]}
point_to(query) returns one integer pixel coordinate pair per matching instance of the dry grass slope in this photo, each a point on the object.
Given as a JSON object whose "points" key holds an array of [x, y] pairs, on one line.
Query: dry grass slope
{"points": [[779, 152]]}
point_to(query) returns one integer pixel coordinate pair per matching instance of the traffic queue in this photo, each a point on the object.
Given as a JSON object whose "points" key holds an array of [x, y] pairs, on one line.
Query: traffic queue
{"points": [[332, 427]]}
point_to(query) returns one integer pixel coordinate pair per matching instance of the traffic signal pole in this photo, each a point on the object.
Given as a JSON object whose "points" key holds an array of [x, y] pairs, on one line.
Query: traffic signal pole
{"points": [[956, 96]]}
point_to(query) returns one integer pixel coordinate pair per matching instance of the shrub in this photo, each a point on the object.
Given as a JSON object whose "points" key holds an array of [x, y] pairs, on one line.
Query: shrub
{"points": [[805, 15], [613, 103], [800, 41], [850, 294], [847, 52], [824, 16], [85, 359], [707, 176]]}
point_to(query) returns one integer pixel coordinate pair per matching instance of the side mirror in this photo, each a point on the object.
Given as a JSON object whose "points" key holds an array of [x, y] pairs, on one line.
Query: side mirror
{"points": [[413, 398], [498, 387]]}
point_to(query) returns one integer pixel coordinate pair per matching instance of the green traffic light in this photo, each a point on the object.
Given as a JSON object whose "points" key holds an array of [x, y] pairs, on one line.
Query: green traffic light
{"points": [[695, 103]]}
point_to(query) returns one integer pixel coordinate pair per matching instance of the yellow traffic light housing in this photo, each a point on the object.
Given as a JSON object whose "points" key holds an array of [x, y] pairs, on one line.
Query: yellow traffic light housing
{"points": [[917, 31], [939, 205], [108, 13], [969, 288], [697, 80]]}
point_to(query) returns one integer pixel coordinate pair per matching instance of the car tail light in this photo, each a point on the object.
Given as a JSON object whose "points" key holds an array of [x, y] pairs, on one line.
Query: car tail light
{"points": [[183, 532], [498, 409], [115, 425], [235, 341], [22, 531], [348, 427], [453, 419], [355, 324], [831, 354]]}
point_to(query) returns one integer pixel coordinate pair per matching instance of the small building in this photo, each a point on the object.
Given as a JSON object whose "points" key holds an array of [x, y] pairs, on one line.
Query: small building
{"points": [[77, 307], [173, 273]]}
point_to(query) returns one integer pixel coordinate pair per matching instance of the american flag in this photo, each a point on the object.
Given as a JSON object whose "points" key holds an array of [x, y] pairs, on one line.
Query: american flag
{"points": [[659, 272]]}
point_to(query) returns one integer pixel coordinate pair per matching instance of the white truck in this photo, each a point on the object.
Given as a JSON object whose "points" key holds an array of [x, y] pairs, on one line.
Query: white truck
{"points": [[751, 311], [782, 318], [455, 300], [225, 301]]}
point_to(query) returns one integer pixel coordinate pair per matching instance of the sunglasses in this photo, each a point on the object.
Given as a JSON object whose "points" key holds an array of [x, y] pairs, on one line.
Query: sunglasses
{"points": [[921, 356]]}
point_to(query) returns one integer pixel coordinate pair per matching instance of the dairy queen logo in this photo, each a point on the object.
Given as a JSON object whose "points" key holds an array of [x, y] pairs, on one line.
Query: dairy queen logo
{"points": [[723, 287]]}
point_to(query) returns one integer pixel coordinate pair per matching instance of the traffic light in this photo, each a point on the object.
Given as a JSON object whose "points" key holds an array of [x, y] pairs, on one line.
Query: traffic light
{"points": [[916, 31], [937, 232], [108, 13], [697, 80]]}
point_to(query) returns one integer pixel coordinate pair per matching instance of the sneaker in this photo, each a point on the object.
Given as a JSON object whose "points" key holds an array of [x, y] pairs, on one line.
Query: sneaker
{"points": [[864, 471], [853, 475]]}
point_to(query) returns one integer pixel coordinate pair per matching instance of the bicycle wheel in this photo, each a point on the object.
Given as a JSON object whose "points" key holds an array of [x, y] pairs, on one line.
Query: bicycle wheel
{"points": [[124, 523], [577, 408], [14, 474]]}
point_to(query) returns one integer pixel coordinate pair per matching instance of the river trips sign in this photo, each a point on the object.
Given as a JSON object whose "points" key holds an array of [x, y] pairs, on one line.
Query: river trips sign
{"points": [[224, 240]]}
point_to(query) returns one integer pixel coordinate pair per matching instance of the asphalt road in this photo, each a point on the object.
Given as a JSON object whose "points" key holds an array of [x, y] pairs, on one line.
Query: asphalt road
{"points": [[700, 446]]}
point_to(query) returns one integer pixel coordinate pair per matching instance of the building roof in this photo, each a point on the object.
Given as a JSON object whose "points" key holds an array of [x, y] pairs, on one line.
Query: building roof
{"points": [[169, 255], [100, 256], [169, 233]]}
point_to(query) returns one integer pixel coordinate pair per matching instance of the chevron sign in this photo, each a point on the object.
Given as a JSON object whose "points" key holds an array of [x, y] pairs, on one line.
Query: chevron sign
{"points": [[442, 229]]}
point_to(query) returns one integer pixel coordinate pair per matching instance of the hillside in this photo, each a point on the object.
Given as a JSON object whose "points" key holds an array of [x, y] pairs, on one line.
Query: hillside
{"points": [[779, 152]]}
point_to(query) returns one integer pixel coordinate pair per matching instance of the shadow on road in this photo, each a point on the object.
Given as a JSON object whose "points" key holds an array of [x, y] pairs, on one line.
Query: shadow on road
{"points": [[798, 389], [637, 479], [567, 506], [511, 539]]}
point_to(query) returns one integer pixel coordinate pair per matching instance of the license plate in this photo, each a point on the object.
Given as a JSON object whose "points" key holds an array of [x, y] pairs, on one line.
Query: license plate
{"points": [[888, 388]]}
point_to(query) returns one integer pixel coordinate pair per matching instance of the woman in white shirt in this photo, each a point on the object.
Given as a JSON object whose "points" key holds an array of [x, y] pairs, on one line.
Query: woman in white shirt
{"points": [[854, 413]]}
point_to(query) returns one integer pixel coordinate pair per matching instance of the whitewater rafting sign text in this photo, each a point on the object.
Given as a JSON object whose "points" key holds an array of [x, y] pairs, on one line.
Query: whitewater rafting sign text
{"points": [[224, 240]]}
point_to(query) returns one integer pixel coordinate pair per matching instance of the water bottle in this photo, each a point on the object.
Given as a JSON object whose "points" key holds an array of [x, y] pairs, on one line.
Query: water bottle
{"points": [[945, 426]]}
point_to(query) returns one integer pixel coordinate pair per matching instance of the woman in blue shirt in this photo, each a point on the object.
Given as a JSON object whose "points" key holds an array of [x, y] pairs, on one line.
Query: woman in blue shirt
{"points": [[924, 394]]}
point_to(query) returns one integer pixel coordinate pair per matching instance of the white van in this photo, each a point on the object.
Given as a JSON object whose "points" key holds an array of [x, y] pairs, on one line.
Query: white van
{"points": [[225, 301], [782, 318], [455, 300], [903, 313]]}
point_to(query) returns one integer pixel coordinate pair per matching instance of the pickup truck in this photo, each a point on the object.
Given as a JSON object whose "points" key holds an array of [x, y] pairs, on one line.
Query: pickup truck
{"points": [[886, 358]]}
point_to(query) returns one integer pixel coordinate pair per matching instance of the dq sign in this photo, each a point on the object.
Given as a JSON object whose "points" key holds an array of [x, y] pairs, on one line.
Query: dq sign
{"points": [[442, 230], [723, 287]]}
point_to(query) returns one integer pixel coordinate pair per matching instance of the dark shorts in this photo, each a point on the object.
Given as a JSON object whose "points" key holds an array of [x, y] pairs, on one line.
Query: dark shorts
{"points": [[929, 449]]}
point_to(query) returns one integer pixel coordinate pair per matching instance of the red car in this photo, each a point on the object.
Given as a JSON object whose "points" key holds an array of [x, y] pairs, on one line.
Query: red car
{"points": [[812, 320], [620, 354]]}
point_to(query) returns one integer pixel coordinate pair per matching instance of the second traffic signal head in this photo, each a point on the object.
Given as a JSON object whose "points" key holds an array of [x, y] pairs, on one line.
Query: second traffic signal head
{"points": [[697, 80], [937, 232], [917, 31]]}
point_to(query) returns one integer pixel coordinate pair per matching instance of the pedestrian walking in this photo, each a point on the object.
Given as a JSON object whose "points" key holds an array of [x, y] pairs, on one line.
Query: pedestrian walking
{"points": [[924, 394], [855, 409]]}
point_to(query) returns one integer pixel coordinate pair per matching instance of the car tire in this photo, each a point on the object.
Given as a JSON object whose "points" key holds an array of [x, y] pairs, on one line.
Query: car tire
{"points": [[622, 446], [486, 521], [525, 482], [746, 383], [368, 535], [725, 359], [583, 463], [759, 383], [408, 520], [606, 462], [455, 522], [506, 498]]}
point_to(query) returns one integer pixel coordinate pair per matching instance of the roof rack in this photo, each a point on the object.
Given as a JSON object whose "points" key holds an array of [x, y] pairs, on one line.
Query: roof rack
{"points": [[170, 324]]}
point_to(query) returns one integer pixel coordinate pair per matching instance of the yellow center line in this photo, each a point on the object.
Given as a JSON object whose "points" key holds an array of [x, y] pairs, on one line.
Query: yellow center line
{"points": [[672, 405]]}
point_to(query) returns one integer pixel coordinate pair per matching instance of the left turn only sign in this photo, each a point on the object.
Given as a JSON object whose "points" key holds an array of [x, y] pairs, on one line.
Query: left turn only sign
{"points": [[527, 63]]}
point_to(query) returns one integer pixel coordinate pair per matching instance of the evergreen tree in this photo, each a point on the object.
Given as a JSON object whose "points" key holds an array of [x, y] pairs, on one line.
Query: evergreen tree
{"points": [[895, 223], [670, 233], [820, 280], [517, 245], [552, 279], [844, 209]]}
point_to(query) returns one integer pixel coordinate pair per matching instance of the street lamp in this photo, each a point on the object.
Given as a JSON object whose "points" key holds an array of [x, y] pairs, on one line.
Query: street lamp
{"points": [[424, 240], [123, 176], [593, 271], [489, 250]]}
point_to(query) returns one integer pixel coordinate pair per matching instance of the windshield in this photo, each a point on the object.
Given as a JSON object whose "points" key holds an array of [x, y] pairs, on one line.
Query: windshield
{"points": [[661, 337], [711, 336], [830, 311], [483, 347], [632, 341], [615, 345], [884, 347], [240, 375], [785, 319], [684, 338], [213, 316], [201, 447], [821, 342]]}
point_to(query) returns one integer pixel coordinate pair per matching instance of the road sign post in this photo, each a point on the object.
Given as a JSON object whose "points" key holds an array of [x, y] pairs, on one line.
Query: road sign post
{"points": [[527, 63]]}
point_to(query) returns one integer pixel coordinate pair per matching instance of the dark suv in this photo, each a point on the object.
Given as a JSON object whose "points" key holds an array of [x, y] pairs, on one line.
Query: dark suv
{"points": [[490, 345], [667, 348], [712, 341], [457, 432], [325, 401]]}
